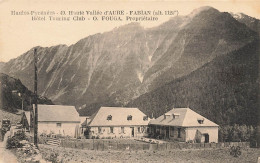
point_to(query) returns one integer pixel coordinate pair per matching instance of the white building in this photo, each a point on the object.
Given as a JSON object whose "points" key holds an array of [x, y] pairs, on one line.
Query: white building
{"points": [[58, 119], [183, 124], [118, 122]]}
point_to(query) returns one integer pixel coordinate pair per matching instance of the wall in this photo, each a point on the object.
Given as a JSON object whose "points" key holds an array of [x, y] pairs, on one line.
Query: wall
{"points": [[105, 145], [117, 132], [212, 131], [187, 133], [66, 129]]}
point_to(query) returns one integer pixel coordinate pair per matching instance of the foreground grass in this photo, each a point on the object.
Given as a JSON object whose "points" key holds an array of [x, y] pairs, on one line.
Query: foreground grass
{"points": [[191, 155]]}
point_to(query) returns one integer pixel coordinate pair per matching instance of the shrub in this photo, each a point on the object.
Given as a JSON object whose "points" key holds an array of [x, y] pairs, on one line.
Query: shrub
{"points": [[13, 143], [53, 158], [43, 134], [189, 141], [235, 151], [236, 133]]}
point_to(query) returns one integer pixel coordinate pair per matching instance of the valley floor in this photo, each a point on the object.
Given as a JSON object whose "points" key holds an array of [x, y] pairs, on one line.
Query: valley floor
{"points": [[191, 155]]}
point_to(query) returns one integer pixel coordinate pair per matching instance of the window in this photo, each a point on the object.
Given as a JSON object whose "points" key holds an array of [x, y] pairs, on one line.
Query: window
{"points": [[172, 131], [129, 117], [58, 124], [179, 132], [122, 130], [145, 118], [142, 129], [109, 117], [111, 129], [200, 120], [99, 130], [139, 129]]}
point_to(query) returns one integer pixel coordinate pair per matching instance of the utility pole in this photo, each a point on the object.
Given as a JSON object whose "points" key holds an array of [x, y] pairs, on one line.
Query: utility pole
{"points": [[35, 98]]}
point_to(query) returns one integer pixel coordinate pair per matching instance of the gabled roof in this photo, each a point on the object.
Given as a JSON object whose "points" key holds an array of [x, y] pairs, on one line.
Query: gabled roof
{"points": [[119, 117], [57, 113], [185, 117]]}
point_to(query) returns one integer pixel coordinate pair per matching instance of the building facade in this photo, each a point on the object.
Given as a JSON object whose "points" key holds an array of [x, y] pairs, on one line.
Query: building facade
{"points": [[185, 125], [118, 122]]}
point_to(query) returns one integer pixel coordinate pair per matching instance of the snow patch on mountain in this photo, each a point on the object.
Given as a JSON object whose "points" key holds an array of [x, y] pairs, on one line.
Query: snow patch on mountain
{"points": [[150, 58], [140, 76]]}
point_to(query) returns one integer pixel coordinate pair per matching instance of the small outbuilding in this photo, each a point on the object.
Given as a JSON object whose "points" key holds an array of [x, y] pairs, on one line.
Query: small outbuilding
{"points": [[118, 122], [183, 124], [58, 119]]}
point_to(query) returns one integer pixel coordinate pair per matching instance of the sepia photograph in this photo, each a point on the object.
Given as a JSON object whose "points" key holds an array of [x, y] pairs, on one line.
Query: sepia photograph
{"points": [[129, 81]]}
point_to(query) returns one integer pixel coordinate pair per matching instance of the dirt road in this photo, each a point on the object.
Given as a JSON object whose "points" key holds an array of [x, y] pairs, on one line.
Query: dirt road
{"points": [[6, 156]]}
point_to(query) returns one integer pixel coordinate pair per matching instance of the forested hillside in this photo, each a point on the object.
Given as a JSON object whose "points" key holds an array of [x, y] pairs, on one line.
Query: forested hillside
{"points": [[224, 90], [9, 95]]}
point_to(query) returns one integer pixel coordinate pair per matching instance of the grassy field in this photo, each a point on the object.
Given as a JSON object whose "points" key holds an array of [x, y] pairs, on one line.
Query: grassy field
{"points": [[191, 155]]}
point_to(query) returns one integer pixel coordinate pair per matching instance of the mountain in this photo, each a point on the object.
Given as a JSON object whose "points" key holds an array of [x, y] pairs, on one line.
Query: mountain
{"points": [[117, 67], [10, 100], [249, 21], [94, 67], [2, 65], [224, 90]]}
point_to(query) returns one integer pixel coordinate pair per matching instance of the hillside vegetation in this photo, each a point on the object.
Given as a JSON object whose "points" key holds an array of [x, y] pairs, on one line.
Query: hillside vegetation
{"points": [[225, 90], [10, 100]]}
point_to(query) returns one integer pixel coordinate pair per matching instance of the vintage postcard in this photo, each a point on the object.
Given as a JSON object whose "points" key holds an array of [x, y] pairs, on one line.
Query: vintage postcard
{"points": [[129, 81]]}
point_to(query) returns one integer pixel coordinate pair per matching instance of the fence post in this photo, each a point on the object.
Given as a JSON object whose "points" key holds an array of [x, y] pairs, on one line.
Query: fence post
{"points": [[93, 144]]}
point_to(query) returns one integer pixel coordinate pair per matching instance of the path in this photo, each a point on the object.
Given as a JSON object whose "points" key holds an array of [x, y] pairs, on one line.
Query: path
{"points": [[6, 156]]}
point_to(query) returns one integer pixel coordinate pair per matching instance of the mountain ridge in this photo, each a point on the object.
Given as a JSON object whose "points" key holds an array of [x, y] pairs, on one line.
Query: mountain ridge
{"points": [[119, 66]]}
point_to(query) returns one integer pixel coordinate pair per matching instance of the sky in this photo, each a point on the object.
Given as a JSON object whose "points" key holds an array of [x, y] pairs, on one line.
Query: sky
{"points": [[18, 33]]}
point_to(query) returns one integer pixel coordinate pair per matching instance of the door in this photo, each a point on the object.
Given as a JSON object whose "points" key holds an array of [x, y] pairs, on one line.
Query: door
{"points": [[206, 138], [133, 131], [167, 132]]}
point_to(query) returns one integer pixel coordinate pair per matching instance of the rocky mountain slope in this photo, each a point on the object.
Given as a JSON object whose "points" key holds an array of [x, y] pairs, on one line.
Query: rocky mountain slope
{"points": [[224, 90], [10, 101], [116, 67]]}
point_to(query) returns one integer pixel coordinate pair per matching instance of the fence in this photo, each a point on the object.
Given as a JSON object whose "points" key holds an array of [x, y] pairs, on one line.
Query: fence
{"points": [[106, 145]]}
